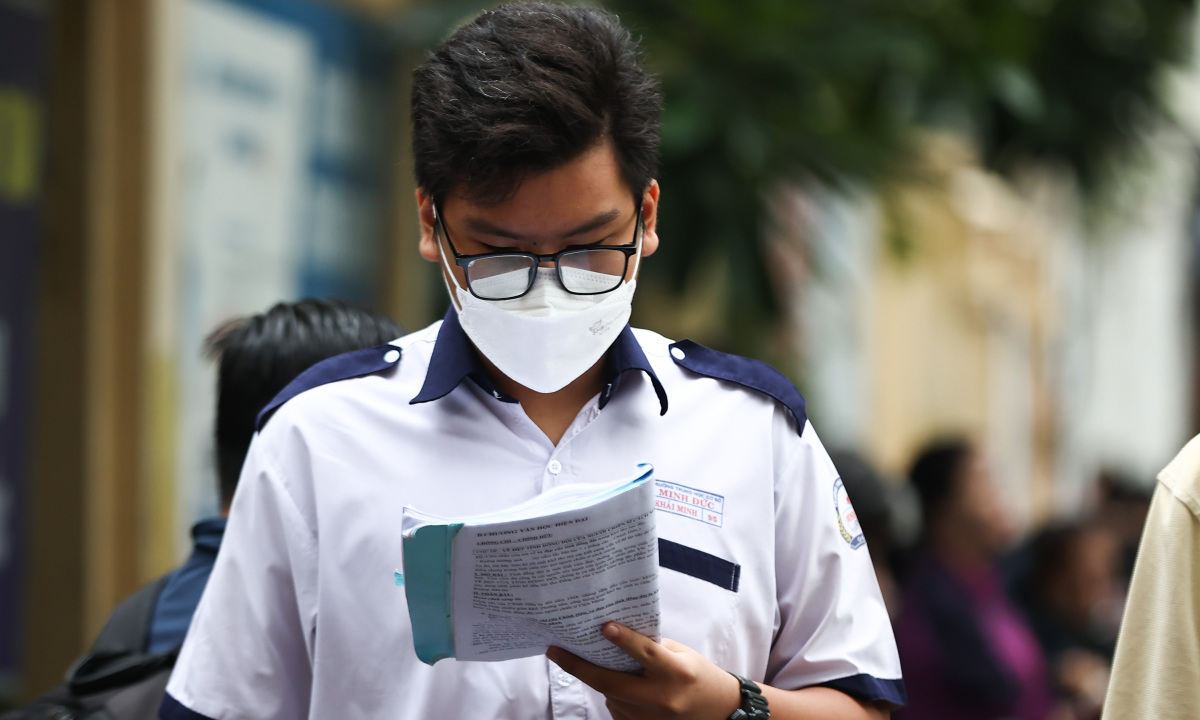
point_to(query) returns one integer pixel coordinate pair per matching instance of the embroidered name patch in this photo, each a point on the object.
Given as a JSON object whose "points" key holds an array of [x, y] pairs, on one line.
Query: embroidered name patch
{"points": [[847, 519], [689, 502]]}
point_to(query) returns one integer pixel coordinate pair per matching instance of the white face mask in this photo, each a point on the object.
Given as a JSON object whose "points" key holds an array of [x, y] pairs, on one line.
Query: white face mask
{"points": [[547, 337]]}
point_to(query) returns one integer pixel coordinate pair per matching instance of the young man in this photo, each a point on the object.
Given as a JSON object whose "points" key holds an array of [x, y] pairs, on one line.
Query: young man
{"points": [[535, 140]]}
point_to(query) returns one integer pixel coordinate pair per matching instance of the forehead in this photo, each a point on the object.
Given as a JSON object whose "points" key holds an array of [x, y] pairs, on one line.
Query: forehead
{"points": [[579, 189]]}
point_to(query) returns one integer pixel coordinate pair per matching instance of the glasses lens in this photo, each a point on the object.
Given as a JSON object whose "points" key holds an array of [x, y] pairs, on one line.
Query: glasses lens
{"points": [[501, 277], [592, 271]]}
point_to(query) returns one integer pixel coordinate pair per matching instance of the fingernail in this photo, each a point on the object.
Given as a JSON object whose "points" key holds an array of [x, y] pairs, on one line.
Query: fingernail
{"points": [[611, 630]]}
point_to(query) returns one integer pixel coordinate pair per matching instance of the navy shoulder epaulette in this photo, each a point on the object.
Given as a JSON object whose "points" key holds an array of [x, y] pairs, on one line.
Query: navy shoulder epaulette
{"points": [[355, 363], [752, 374]]}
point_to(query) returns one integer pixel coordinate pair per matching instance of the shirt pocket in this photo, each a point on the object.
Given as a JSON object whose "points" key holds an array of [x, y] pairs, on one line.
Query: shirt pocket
{"points": [[699, 594]]}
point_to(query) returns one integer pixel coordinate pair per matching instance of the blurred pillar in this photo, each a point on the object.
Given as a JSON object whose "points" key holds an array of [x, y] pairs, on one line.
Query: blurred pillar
{"points": [[54, 625], [87, 457], [115, 279]]}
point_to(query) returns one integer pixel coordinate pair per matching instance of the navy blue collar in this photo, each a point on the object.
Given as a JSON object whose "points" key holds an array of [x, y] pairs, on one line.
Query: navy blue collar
{"points": [[454, 360], [207, 533]]}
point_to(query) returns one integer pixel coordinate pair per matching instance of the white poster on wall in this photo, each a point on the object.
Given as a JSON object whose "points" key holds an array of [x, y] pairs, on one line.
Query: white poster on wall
{"points": [[247, 90]]}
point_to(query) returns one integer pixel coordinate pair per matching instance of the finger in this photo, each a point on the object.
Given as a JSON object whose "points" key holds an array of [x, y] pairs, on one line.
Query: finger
{"points": [[611, 683], [648, 653], [676, 647]]}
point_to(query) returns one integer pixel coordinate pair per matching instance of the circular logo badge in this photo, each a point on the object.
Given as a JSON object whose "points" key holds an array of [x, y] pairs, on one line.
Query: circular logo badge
{"points": [[847, 518]]}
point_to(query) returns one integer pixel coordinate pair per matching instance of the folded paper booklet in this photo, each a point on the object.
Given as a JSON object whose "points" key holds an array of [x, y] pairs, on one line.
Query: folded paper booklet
{"points": [[550, 571]]}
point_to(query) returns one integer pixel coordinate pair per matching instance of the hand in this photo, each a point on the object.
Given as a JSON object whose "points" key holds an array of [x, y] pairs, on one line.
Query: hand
{"points": [[678, 682]]}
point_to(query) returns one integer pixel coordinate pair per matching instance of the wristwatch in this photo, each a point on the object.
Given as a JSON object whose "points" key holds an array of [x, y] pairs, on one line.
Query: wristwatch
{"points": [[754, 705]]}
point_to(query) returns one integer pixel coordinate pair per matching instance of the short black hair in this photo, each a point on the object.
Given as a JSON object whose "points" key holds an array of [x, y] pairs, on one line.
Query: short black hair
{"points": [[259, 355], [525, 88], [936, 474]]}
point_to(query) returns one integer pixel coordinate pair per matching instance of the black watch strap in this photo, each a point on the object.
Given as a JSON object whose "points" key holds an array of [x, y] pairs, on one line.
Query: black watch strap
{"points": [[754, 705]]}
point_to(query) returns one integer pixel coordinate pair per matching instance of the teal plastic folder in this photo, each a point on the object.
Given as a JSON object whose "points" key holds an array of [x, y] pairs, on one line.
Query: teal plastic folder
{"points": [[427, 562]]}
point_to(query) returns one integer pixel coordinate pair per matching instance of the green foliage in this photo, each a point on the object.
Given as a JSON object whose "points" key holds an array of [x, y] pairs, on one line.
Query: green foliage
{"points": [[763, 91]]}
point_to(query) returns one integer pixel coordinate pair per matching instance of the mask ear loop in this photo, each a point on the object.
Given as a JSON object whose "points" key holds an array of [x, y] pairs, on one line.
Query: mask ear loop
{"points": [[439, 231]]}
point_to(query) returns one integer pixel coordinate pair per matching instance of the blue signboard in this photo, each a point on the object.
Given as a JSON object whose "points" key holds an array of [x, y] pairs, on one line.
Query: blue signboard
{"points": [[22, 66], [352, 151], [289, 142]]}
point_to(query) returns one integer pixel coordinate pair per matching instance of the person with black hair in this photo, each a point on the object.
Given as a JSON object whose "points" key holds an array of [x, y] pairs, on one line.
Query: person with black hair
{"points": [[256, 356], [966, 650], [123, 675], [535, 138], [1072, 599]]}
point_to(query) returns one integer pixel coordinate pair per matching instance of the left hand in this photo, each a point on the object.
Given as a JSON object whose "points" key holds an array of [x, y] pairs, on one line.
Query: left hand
{"points": [[678, 682]]}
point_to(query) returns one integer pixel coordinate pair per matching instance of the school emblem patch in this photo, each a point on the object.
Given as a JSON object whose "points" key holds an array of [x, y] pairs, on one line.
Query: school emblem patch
{"points": [[847, 519]]}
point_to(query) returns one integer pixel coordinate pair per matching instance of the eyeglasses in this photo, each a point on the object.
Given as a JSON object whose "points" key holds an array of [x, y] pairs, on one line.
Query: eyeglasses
{"points": [[584, 270]]}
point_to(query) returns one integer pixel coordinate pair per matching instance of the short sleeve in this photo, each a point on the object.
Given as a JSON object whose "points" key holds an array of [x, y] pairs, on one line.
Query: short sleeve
{"points": [[249, 648], [834, 628], [1156, 670]]}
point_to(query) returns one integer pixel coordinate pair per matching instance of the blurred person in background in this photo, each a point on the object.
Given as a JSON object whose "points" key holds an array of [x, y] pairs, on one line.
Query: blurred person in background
{"points": [[124, 674], [256, 357], [1156, 669], [1071, 596], [966, 651], [1121, 505], [873, 503]]}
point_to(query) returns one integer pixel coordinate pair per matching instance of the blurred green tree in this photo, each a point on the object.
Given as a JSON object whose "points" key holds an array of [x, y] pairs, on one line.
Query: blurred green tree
{"points": [[760, 92]]}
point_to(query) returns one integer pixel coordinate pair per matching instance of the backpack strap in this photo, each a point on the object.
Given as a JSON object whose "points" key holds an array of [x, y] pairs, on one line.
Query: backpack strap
{"points": [[129, 624], [117, 657]]}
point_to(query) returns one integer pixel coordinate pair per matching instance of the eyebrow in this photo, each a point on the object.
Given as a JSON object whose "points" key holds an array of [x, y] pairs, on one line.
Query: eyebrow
{"points": [[484, 227]]}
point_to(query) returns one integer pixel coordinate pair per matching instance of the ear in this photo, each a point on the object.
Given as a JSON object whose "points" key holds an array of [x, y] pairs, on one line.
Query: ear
{"points": [[650, 219], [428, 246]]}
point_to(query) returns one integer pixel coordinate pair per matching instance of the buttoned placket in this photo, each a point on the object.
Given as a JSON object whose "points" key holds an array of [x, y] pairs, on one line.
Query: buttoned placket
{"points": [[559, 469], [567, 698], [567, 694]]}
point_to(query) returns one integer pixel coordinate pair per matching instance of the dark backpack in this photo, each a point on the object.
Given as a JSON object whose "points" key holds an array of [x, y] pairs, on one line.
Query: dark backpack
{"points": [[116, 679]]}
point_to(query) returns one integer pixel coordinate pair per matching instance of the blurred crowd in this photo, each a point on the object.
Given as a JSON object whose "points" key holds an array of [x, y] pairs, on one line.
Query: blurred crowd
{"points": [[992, 623]]}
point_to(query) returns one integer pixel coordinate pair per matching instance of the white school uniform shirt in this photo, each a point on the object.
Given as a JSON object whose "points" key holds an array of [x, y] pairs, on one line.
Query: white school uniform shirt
{"points": [[764, 570]]}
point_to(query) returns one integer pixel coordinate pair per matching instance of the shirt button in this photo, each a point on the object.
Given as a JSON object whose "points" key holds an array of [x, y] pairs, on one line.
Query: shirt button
{"points": [[555, 467], [678, 353], [564, 679], [391, 356]]}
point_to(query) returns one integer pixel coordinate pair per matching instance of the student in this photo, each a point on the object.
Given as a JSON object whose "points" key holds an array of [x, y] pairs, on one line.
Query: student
{"points": [[123, 675], [256, 357], [535, 136]]}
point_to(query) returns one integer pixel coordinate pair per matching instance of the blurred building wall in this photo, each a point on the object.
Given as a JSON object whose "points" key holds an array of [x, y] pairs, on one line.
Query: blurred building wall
{"points": [[1057, 336]]}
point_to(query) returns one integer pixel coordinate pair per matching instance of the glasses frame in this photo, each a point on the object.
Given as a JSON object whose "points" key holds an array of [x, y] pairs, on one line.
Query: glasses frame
{"points": [[464, 261]]}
